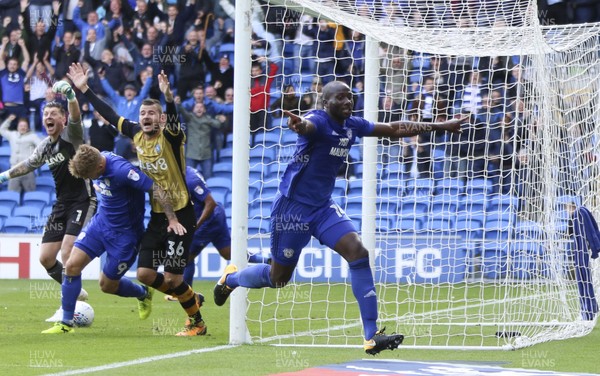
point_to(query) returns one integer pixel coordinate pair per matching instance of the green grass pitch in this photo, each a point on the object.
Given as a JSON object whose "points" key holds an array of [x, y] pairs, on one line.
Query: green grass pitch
{"points": [[117, 335]]}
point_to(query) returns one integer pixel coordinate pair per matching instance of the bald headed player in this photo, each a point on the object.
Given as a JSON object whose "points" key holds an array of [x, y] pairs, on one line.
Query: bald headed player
{"points": [[324, 140], [159, 140]]}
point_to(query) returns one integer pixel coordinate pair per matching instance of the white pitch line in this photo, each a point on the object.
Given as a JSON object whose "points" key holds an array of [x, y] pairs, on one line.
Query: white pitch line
{"points": [[141, 361]]}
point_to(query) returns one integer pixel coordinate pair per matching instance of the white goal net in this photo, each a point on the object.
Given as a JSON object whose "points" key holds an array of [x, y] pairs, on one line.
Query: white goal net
{"points": [[473, 245]]}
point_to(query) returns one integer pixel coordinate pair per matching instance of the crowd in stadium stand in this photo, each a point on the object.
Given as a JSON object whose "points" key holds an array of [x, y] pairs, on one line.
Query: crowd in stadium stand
{"points": [[126, 43]]}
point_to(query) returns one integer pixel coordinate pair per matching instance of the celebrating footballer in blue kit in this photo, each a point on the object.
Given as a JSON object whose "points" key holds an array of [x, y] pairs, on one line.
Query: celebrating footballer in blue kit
{"points": [[116, 229], [324, 141]]}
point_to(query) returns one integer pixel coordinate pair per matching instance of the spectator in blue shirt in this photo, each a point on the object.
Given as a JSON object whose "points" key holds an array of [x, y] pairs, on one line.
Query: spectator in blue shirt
{"points": [[128, 104], [12, 81]]}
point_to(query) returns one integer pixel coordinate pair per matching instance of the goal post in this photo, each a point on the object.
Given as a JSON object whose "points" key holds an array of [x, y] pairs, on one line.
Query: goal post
{"points": [[469, 233]]}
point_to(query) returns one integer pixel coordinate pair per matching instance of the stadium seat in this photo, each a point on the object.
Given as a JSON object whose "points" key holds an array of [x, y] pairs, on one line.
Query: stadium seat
{"points": [[473, 203], [445, 203], [339, 192], [262, 210], [44, 170], [268, 138], [406, 224], [478, 186], [384, 223], [10, 199], [263, 154], [45, 183], [391, 187], [497, 227], [258, 226], [358, 170], [503, 220], [503, 203], [220, 197], [416, 203], [421, 186], [469, 229], [17, 225], [494, 260], [46, 211], [222, 170], [449, 186], [396, 171], [218, 182], [288, 137], [5, 211], [229, 141], [5, 151], [36, 198], [226, 155], [385, 206], [27, 211], [439, 226]]}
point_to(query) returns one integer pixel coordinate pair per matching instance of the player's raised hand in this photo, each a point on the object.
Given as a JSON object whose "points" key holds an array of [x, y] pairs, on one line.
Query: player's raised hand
{"points": [[454, 125], [296, 123], [176, 227], [64, 88], [165, 86], [78, 76]]}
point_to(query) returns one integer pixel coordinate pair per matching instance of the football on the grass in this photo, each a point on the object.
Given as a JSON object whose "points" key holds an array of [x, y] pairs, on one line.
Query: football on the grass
{"points": [[84, 314]]}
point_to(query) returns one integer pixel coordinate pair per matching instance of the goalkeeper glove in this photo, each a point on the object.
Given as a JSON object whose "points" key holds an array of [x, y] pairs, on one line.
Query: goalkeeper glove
{"points": [[4, 177], [64, 88]]}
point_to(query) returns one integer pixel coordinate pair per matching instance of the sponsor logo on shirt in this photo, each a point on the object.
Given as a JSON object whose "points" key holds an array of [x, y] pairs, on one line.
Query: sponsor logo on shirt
{"points": [[55, 159], [159, 165]]}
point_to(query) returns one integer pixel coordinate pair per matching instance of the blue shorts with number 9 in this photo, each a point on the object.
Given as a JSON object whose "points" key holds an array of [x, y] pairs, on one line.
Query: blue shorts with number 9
{"points": [[121, 247]]}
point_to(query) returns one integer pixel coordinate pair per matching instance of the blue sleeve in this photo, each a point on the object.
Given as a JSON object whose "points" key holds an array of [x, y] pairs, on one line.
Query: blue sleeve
{"points": [[197, 187], [110, 91], [77, 18], [317, 121], [363, 127], [136, 178], [146, 88]]}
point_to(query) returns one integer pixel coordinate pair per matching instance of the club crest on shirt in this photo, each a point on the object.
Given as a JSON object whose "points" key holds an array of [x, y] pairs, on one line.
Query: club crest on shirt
{"points": [[132, 175], [349, 133], [139, 150], [157, 148], [288, 253], [199, 190]]}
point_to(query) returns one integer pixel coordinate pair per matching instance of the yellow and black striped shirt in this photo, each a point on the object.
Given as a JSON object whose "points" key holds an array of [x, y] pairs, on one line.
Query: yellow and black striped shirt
{"points": [[162, 158]]}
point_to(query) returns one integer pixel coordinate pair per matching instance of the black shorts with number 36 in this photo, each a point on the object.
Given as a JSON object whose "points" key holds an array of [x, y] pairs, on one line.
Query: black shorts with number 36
{"points": [[159, 247]]}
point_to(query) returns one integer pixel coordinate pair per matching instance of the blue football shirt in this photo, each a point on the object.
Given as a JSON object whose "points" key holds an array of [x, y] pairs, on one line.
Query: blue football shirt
{"points": [[122, 188], [198, 192], [310, 175]]}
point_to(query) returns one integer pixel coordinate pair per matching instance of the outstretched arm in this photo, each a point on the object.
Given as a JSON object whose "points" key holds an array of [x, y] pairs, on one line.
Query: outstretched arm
{"points": [[172, 125], [209, 208], [299, 124], [400, 129], [20, 169], [79, 76]]}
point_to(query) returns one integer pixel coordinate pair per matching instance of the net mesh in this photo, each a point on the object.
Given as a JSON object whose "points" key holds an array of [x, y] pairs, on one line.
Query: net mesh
{"points": [[473, 247]]}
